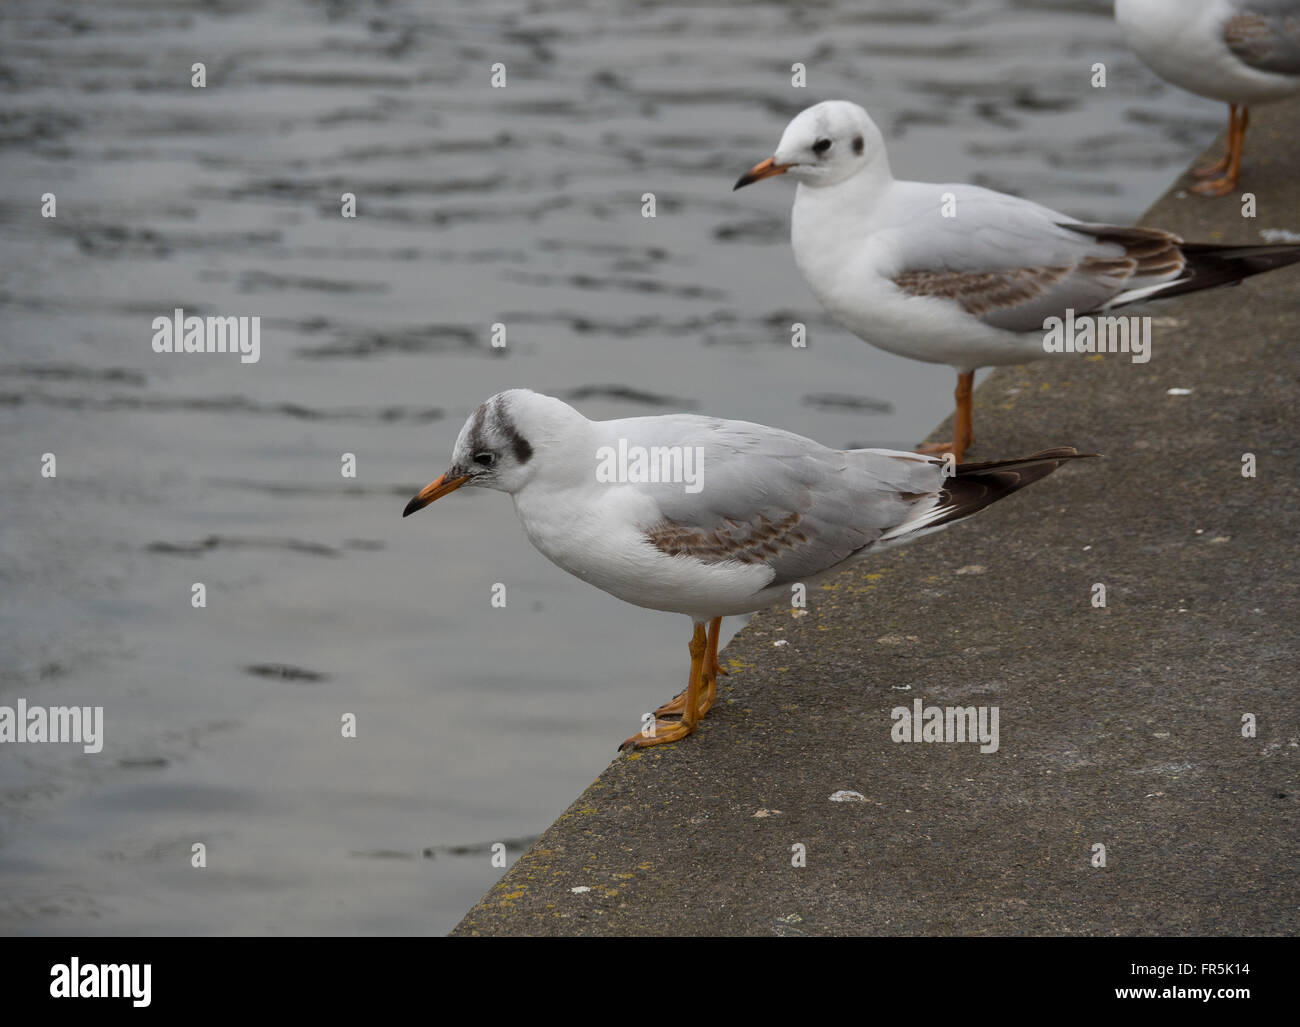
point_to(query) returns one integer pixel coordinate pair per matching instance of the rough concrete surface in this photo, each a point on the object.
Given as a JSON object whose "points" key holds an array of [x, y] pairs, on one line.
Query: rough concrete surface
{"points": [[1119, 726]]}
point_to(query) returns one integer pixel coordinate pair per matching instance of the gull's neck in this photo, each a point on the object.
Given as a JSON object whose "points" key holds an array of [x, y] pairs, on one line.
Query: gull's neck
{"points": [[830, 222], [858, 194]]}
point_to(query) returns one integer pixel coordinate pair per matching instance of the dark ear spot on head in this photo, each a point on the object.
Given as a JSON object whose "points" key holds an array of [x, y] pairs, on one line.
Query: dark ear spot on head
{"points": [[523, 451], [858, 144]]}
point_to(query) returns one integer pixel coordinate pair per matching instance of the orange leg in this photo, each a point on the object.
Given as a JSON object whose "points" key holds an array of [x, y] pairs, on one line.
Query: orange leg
{"points": [[1238, 119], [1216, 168], [674, 707], [963, 432], [668, 730], [711, 666]]}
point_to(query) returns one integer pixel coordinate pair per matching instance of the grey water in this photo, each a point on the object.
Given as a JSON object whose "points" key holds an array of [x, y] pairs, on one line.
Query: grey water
{"points": [[476, 205]]}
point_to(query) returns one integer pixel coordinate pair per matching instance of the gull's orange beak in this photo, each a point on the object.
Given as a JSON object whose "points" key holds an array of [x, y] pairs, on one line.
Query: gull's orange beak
{"points": [[759, 172], [434, 490]]}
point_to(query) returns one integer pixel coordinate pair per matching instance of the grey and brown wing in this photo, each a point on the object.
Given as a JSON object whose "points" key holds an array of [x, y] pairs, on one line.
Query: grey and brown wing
{"points": [[1265, 34], [1015, 299], [809, 513], [1012, 264]]}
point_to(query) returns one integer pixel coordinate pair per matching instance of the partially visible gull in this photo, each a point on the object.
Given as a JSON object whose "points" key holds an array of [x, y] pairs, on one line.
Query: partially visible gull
{"points": [[1242, 52]]}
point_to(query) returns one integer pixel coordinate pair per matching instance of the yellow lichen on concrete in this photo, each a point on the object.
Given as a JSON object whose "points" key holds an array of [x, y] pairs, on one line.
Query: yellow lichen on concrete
{"points": [[508, 898]]}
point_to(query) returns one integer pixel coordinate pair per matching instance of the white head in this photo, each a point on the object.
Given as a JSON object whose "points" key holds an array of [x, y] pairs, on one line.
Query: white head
{"points": [[825, 145], [502, 444]]}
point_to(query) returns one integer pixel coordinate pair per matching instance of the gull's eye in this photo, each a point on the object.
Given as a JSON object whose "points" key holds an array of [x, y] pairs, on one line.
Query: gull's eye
{"points": [[821, 146], [485, 459]]}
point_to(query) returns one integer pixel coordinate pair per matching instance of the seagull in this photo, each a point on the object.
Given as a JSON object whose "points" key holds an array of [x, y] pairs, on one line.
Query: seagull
{"points": [[1242, 52], [706, 517], [958, 274]]}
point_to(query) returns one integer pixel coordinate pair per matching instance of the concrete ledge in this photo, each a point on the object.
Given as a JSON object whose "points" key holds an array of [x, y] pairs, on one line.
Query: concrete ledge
{"points": [[1120, 726]]}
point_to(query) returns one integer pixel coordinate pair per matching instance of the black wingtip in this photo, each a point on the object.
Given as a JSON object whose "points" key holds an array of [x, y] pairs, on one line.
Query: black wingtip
{"points": [[975, 486], [1057, 453]]}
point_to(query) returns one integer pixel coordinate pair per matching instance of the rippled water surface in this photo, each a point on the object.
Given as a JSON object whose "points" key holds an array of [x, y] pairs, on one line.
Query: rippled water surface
{"points": [[477, 205]]}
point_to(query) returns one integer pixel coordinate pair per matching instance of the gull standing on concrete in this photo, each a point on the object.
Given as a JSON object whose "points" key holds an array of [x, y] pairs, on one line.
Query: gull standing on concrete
{"points": [[961, 275], [1242, 52], [756, 510]]}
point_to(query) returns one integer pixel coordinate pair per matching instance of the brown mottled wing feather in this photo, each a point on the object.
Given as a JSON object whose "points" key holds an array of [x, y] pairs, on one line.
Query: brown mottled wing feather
{"points": [[982, 292], [1266, 36], [777, 499], [753, 541], [1148, 252]]}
